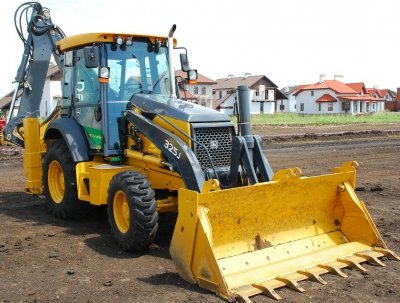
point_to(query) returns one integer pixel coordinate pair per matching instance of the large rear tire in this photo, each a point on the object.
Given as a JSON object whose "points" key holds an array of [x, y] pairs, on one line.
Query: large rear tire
{"points": [[132, 211], [59, 183]]}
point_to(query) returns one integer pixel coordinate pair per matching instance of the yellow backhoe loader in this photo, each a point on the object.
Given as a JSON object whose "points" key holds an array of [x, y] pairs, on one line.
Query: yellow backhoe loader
{"points": [[122, 137]]}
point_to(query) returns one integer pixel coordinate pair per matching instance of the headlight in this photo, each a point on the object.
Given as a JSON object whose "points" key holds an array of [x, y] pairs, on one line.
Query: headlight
{"points": [[119, 40], [128, 41]]}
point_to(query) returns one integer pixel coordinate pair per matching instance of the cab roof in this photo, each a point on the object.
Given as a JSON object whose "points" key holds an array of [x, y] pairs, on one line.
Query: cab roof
{"points": [[75, 41]]}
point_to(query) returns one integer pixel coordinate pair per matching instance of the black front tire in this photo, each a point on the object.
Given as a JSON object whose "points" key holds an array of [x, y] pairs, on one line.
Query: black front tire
{"points": [[59, 183], [132, 211]]}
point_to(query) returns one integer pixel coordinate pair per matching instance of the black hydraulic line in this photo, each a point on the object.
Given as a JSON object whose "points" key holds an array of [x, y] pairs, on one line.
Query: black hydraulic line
{"points": [[39, 45]]}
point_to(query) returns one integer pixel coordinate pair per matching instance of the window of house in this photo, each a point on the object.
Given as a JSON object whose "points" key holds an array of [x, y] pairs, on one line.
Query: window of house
{"points": [[312, 93], [271, 95], [256, 93], [196, 90], [355, 106], [330, 107], [220, 94], [203, 90], [319, 106], [345, 106], [302, 107]]}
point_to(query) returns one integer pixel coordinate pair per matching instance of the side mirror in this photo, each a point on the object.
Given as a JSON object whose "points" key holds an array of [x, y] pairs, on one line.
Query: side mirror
{"points": [[184, 62], [91, 56]]}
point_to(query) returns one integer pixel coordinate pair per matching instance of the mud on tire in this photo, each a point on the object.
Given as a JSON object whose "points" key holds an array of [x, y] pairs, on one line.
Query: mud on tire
{"points": [[132, 211]]}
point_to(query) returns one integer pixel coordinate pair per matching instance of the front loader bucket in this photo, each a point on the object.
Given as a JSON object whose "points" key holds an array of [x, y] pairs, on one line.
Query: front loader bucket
{"points": [[252, 240]]}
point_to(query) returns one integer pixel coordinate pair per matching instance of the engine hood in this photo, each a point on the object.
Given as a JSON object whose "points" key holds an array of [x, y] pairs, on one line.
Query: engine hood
{"points": [[178, 109]]}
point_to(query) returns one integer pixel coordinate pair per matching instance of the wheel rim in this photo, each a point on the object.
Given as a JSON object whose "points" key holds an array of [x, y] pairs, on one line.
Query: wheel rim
{"points": [[56, 182], [121, 211]]}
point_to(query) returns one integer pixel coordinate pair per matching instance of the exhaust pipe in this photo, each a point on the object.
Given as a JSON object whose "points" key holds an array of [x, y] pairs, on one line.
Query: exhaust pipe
{"points": [[171, 62], [244, 126]]}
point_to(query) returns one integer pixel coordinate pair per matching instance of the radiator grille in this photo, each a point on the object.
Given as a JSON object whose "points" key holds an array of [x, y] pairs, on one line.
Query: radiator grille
{"points": [[218, 141]]}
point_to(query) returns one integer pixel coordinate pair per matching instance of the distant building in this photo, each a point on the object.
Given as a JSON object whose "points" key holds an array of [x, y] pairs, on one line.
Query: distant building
{"points": [[335, 97], [51, 92], [263, 94], [200, 93], [393, 102], [288, 105]]}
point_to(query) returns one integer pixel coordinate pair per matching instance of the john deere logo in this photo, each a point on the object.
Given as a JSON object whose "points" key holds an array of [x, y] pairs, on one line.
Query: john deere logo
{"points": [[214, 144]]}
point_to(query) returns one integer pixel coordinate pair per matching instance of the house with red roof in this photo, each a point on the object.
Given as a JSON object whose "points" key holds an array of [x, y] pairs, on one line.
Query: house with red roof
{"points": [[392, 100], [335, 97], [388, 95]]}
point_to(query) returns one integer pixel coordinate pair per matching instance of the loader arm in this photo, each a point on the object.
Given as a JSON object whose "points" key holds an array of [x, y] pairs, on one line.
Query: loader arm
{"points": [[177, 152], [39, 46]]}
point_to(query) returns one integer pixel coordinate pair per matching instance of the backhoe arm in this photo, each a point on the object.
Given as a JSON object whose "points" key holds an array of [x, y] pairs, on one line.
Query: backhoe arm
{"points": [[39, 45]]}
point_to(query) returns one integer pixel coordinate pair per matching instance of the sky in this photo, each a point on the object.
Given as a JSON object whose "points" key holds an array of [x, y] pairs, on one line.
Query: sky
{"points": [[291, 42]]}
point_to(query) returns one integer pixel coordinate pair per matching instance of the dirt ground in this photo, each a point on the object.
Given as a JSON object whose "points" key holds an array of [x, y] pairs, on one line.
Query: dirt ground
{"points": [[44, 259]]}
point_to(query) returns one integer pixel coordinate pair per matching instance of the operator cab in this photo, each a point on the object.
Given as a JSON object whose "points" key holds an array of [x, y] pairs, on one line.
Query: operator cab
{"points": [[102, 78]]}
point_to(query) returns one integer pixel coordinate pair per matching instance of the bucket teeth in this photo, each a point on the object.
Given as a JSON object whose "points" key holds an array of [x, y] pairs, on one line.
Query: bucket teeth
{"points": [[387, 253], [268, 291], [291, 283], [313, 276], [268, 287], [243, 299], [334, 270], [370, 258], [353, 263]]}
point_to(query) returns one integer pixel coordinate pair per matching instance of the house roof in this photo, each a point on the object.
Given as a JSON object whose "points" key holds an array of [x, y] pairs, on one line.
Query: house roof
{"points": [[217, 103], [300, 87], [288, 90], [360, 98], [359, 87], [6, 100], [188, 95], [201, 79], [373, 91], [233, 83], [326, 98], [384, 92], [337, 86], [53, 73]]}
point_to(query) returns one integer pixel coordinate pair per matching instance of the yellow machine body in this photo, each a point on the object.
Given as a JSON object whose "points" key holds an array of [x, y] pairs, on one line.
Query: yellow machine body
{"points": [[237, 242], [246, 241]]}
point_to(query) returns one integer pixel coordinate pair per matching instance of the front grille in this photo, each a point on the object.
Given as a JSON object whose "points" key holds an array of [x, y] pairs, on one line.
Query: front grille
{"points": [[218, 141]]}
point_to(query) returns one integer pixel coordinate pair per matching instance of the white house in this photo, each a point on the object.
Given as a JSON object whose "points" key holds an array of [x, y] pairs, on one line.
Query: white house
{"points": [[392, 99], [263, 94], [200, 93], [288, 105], [335, 97]]}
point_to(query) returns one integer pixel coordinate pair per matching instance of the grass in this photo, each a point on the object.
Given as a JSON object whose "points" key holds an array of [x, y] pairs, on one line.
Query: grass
{"points": [[296, 119]]}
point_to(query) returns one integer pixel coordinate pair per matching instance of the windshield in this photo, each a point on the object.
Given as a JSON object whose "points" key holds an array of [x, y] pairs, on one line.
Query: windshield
{"points": [[138, 68]]}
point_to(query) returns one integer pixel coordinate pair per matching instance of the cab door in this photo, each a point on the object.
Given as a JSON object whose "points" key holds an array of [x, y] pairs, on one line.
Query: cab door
{"points": [[87, 107]]}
